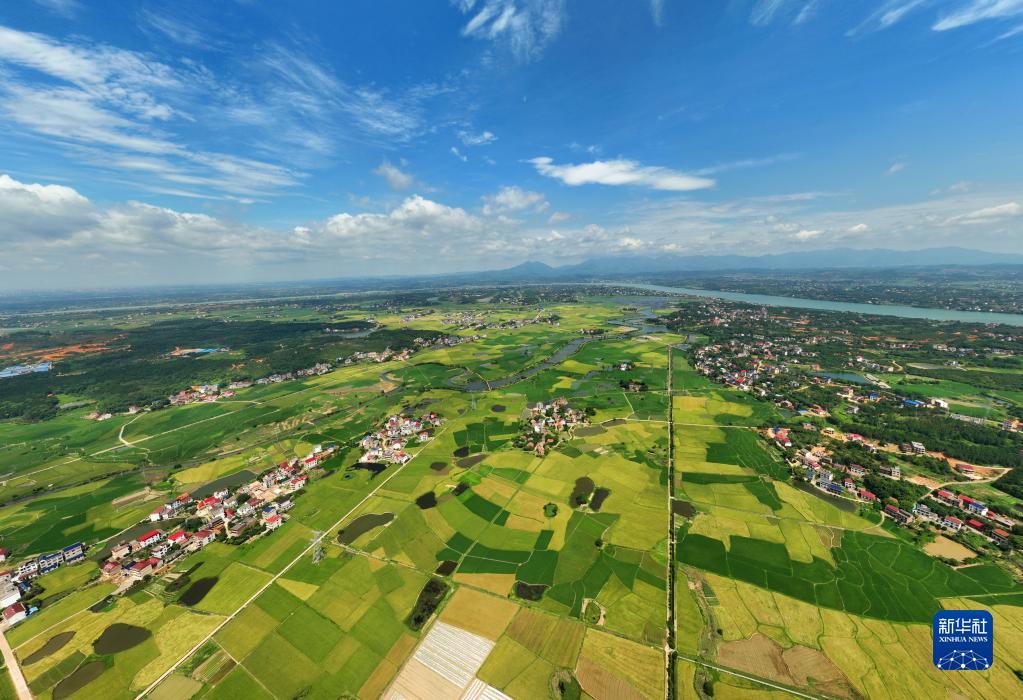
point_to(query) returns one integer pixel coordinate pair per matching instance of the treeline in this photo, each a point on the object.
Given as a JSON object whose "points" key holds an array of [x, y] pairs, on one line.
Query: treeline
{"points": [[960, 440]]}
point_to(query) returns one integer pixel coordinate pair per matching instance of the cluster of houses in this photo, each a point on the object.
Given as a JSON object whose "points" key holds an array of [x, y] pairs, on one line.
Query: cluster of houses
{"points": [[841, 480], [546, 423], [211, 392], [979, 517], [17, 581], [260, 505], [388, 443], [477, 321]]}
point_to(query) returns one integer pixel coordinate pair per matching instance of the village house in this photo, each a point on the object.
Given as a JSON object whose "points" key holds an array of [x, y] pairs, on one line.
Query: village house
{"points": [[9, 594], [150, 538], [13, 614], [952, 523], [4, 553], [121, 550], [891, 470], [897, 514], [50, 562], [946, 497], [972, 505], [867, 495], [146, 567], [179, 538], [203, 537], [73, 553], [238, 527], [1000, 536], [273, 522]]}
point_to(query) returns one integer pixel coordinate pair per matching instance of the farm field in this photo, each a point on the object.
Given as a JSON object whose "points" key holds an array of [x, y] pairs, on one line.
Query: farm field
{"points": [[529, 580], [781, 585], [483, 565]]}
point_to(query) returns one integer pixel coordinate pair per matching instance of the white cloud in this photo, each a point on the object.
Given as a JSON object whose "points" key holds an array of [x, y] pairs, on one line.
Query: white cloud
{"points": [[483, 138], [896, 167], [396, 178], [512, 199], [458, 154], [807, 234], [764, 11], [974, 11], [988, 214], [174, 29], [747, 163], [557, 217], [621, 172], [657, 11], [65, 8], [524, 27], [35, 210], [859, 228], [890, 12]]}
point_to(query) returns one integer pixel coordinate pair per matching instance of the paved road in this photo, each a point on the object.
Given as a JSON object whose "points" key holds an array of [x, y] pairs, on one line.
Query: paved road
{"points": [[17, 677]]}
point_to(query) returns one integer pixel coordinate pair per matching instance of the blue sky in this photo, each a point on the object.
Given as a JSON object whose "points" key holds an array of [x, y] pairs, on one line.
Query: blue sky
{"points": [[253, 140]]}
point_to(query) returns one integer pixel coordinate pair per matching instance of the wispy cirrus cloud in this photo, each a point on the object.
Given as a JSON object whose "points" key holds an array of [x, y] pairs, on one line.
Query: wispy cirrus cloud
{"points": [[887, 14], [621, 172], [975, 11], [522, 27], [100, 104], [747, 163], [64, 8], [175, 29]]}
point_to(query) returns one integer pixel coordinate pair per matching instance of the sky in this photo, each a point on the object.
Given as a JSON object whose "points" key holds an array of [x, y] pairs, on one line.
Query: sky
{"points": [[196, 142]]}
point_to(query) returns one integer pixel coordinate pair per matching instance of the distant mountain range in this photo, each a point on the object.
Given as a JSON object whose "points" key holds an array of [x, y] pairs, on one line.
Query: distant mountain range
{"points": [[614, 266]]}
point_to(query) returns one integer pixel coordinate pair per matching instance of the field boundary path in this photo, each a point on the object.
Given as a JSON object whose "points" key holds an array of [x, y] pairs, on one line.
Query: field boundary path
{"points": [[670, 652], [17, 677]]}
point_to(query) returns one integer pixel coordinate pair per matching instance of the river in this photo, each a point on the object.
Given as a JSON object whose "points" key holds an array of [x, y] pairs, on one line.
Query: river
{"points": [[822, 305]]}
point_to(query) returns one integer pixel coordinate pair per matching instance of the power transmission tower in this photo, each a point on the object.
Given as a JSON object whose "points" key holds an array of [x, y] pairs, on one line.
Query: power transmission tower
{"points": [[317, 546]]}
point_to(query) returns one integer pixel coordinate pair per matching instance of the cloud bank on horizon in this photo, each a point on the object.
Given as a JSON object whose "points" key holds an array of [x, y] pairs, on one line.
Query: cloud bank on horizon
{"points": [[250, 141]]}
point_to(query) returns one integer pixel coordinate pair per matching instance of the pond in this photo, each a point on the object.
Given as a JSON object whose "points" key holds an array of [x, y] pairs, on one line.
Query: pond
{"points": [[53, 645], [361, 525], [120, 637], [599, 496], [446, 568], [581, 493], [467, 462], [427, 500], [373, 468], [198, 590], [683, 508], [82, 676]]}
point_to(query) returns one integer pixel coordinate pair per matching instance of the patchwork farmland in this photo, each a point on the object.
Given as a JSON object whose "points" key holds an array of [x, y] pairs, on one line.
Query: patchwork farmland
{"points": [[658, 548]]}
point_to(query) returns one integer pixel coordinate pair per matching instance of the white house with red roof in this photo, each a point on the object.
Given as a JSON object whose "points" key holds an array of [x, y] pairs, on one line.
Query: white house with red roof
{"points": [[13, 614], [273, 522], [151, 538]]}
